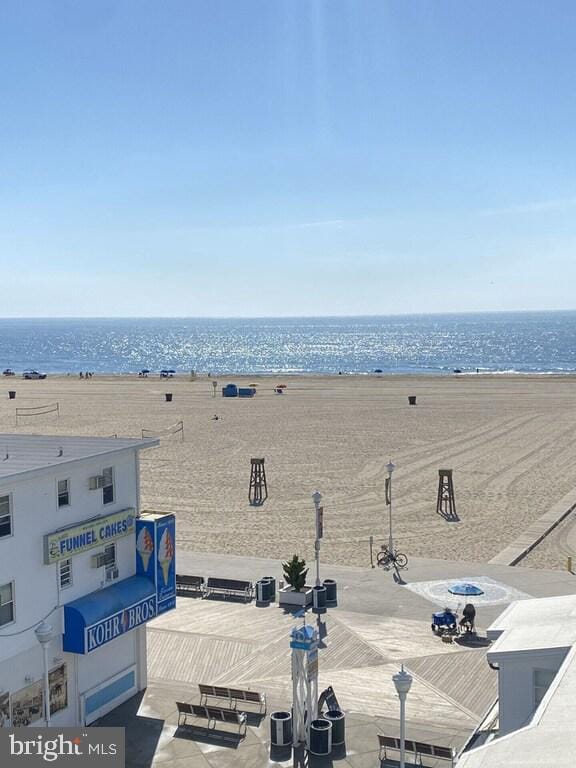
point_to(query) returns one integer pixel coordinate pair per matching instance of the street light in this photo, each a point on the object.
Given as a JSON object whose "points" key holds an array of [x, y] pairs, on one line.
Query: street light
{"points": [[44, 634], [390, 467], [317, 498], [403, 683]]}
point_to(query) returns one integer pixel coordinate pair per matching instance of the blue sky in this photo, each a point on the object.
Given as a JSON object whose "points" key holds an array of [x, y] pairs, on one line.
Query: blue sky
{"points": [[286, 157]]}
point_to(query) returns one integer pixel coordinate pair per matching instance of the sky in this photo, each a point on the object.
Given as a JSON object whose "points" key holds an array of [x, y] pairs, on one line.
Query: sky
{"points": [[286, 157]]}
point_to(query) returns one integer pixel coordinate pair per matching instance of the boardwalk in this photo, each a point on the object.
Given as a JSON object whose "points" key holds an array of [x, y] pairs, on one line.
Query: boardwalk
{"points": [[378, 625]]}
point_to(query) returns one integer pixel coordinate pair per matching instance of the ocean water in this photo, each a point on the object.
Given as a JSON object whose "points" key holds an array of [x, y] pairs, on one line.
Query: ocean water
{"points": [[523, 342]]}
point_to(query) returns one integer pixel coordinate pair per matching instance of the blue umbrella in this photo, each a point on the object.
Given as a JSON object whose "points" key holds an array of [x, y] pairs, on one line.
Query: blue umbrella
{"points": [[465, 589]]}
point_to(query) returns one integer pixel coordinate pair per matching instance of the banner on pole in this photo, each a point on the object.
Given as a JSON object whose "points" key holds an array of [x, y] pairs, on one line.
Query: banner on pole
{"points": [[320, 523], [387, 490]]}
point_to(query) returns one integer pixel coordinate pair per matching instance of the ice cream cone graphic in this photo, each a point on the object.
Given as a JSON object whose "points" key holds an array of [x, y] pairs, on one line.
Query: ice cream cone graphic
{"points": [[166, 554], [145, 547]]}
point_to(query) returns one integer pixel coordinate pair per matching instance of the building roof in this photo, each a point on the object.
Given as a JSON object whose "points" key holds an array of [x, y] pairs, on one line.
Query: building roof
{"points": [[529, 625], [526, 613], [549, 740], [20, 454]]}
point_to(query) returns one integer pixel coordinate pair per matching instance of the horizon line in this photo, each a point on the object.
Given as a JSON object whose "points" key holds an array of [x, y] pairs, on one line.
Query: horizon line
{"points": [[287, 317]]}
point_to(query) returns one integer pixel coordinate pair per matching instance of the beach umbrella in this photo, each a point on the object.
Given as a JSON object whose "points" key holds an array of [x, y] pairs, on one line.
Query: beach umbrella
{"points": [[281, 386], [468, 590], [252, 385]]}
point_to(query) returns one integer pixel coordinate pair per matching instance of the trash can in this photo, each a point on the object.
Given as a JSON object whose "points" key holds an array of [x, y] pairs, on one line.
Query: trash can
{"points": [[331, 590], [280, 729], [411, 399], [168, 397], [272, 582], [338, 720], [320, 737], [262, 591], [11, 394], [319, 599]]}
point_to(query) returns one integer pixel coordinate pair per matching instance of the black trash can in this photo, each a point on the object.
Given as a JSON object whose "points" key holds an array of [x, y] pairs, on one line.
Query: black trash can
{"points": [[411, 399], [168, 397], [262, 591], [331, 590], [320, 737], [319, 599], [338, 720], [11, 394], [280, 729], [272, 582]]}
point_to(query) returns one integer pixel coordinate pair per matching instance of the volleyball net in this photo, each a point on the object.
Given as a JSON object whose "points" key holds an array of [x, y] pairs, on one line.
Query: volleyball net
{"points": [[173, 429], [38, 410]]}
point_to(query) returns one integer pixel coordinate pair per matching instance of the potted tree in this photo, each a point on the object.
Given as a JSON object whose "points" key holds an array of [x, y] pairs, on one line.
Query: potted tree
{"points": [[296, 592]]}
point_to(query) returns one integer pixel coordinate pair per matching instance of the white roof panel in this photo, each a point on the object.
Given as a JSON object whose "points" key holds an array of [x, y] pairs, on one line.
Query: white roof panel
{"points": [[20, 454]]}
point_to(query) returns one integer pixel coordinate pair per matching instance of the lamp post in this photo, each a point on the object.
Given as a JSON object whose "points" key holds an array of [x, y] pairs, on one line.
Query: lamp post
{"points": [[403, 683], [317, 498], [44, 634], [390, 467]]}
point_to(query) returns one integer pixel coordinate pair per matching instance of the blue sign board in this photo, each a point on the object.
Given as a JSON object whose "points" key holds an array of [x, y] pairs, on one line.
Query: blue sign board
{"points": [[156, 556]]}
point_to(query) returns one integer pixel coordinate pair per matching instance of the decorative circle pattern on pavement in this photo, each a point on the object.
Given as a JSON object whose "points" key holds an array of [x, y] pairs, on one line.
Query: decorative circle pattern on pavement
{"points": [[494, 592]]}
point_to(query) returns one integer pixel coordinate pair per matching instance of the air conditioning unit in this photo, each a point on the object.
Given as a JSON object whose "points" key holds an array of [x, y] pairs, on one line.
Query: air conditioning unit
{"points": [[98, 481], [99, 560], [102, 559], [111, 574]]}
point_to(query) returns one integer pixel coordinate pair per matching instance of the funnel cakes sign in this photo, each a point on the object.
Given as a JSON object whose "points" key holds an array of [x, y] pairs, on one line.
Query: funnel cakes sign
{"points": [[155, 555], [91, 533]]}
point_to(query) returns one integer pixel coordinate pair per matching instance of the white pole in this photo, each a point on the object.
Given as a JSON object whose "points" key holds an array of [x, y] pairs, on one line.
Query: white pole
{"points": [[44, 634], [402, 682], [390, 468], [402, 697], [46, 686], [317, 498]]}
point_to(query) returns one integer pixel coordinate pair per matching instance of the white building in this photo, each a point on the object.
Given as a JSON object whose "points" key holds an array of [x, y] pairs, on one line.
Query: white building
{"points": [[535, 654], [75, 552]]}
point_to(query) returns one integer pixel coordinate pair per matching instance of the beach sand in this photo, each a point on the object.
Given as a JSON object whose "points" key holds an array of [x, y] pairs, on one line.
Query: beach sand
{"points": [[509, 441]]}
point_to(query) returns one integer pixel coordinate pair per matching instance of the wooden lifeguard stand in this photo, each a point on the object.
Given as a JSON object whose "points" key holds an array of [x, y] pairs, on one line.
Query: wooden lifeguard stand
{"points": [[258, 491], [445, 502]]}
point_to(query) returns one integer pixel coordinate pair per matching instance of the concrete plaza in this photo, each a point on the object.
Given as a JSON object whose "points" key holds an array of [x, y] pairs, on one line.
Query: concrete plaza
{"points": [[378, 625]]}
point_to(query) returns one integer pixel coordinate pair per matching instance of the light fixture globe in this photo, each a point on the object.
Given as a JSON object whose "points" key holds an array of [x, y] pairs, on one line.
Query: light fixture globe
{"points": [[390, 467], [316, 497], [402, 682], [44, 633]]}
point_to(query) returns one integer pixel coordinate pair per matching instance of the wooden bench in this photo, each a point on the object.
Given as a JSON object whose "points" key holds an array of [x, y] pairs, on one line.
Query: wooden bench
{"points": [[228, 587], [190, 584], [232, 695], [418, 748], [212, 714]]}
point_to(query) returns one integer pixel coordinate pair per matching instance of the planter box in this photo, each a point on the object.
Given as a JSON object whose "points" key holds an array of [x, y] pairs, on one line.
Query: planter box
{"points": [[287, 596]]}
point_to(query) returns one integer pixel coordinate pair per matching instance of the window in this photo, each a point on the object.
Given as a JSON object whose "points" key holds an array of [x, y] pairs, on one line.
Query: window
{"points": [[542, 680], [65, 573], [111, 565], [63, 493], [6, 603], [108, 487], [110, 555], [5, 517]]}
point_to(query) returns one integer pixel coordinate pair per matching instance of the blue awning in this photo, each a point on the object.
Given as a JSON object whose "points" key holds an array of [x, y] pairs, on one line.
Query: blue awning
{"points": [[102, 616]]}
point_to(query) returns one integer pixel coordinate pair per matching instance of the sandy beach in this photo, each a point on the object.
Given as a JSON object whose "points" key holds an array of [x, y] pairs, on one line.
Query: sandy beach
{"points": [[509, 441]]}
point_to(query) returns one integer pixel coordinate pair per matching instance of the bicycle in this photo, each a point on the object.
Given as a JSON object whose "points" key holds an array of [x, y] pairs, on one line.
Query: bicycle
{"points": [[386, 558]]}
